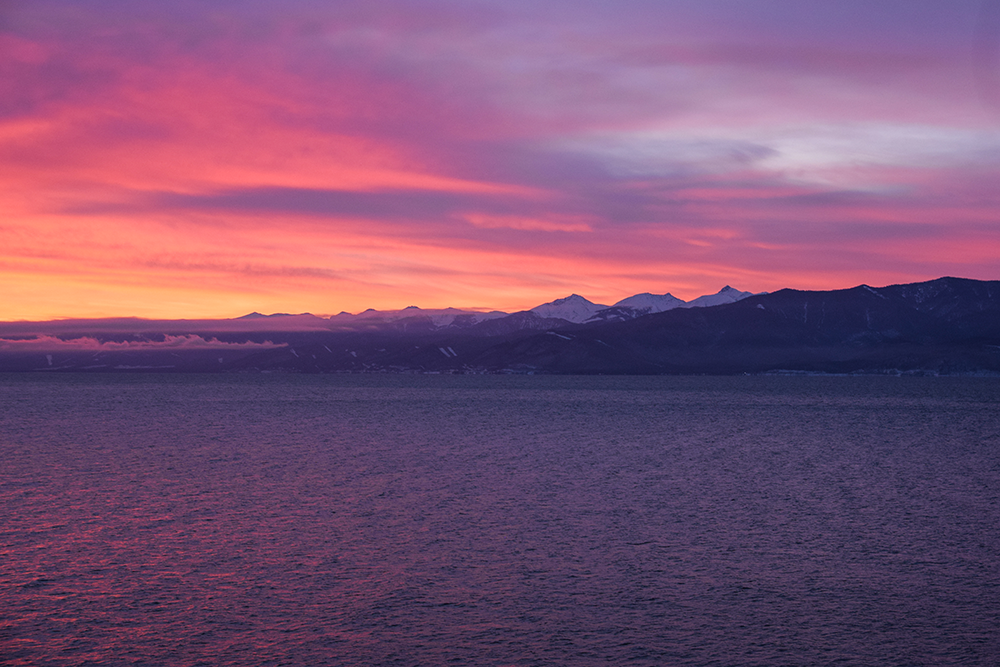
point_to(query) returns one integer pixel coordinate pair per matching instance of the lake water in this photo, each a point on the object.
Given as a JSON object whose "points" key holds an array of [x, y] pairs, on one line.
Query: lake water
{"points": [[433, 520]]}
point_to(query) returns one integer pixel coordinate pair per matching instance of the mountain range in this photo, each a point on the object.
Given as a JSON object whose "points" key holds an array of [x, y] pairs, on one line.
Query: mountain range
{"points": [[943, 326], [573, 308]]}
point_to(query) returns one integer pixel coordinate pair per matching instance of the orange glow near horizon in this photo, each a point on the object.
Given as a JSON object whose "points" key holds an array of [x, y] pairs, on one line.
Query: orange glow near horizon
{"points": [[234, 265]]}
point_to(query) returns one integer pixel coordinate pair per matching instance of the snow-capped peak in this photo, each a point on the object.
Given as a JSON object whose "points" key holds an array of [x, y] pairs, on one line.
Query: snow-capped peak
{"points": [[725, 295], [573, 308], [651, 303]]}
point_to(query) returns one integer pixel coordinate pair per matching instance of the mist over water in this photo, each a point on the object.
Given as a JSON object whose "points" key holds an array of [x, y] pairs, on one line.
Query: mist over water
{"points": [[427, 520]]}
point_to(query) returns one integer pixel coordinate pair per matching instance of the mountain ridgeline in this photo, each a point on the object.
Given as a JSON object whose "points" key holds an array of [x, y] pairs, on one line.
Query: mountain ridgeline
{"points": [[944, 326]]}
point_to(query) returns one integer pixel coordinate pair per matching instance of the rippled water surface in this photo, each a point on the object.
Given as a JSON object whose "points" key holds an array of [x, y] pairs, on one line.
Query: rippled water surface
{"points": [[431, 520]]}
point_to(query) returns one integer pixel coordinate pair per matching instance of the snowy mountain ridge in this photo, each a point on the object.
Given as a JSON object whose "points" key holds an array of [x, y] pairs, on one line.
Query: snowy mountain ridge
{"points": [[573, 308], [725, 295], [578, 310]]}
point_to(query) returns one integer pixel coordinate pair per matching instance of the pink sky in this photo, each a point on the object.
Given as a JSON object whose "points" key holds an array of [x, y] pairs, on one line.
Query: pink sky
{"points": [[215, 158]]}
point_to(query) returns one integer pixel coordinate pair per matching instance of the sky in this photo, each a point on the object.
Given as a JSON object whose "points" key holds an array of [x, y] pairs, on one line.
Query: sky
{"points": [[213, 158]]}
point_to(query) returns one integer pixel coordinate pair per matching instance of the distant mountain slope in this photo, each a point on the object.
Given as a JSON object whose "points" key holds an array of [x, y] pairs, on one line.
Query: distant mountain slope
{"points": [[439, 317], [946, 325], [949, 325]]}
